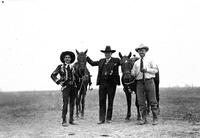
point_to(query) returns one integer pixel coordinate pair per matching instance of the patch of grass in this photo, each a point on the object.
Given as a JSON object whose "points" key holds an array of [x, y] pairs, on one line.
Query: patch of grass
{"points": [[26, 104], [180, 103], [175, 103]]}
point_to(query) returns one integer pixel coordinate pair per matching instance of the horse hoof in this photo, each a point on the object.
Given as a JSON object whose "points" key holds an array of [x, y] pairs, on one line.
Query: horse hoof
{"points": [[127, 118], [139, 118], [158, 111]]}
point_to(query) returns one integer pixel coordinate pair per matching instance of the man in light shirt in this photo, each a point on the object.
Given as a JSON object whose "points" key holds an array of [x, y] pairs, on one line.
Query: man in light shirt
{"points": [[144, 70]]}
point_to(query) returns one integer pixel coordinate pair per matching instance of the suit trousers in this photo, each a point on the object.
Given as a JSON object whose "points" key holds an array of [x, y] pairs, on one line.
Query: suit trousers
{"points": [[68, 95], [146, 90], [106, 90]]}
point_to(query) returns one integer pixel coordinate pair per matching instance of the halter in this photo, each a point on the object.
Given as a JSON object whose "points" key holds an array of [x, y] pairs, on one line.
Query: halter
{"points": [[81, 67], [128, 83], [126, 65]]}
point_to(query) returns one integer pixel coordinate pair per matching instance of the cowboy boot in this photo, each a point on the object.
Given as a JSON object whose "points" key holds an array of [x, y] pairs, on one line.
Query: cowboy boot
{"points": [[155, 117], [64, 122], [144, 118], [148, 109]]}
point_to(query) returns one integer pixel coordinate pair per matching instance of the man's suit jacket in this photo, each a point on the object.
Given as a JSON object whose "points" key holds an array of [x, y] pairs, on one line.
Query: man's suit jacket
{"points": [[113, 65], [62, 73]]}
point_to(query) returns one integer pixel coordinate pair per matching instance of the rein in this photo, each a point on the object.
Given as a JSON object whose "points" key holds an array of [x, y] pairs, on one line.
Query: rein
{"points": [[81, 84], [129, 82]]}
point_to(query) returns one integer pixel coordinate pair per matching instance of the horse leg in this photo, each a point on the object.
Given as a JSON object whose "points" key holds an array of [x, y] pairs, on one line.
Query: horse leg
{"points": [[76, 102], [157, 96], [137, 106], [83, 105], [128, 99], [83, 101], [77, 107], [79, 101]]}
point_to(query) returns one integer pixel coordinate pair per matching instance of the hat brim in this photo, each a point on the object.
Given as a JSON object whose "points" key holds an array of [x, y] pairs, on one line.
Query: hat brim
{"points": [[112, 51], [145, 47], [71, 54]]}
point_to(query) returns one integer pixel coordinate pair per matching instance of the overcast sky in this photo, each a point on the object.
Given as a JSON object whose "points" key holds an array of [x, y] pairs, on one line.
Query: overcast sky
{"points": [[33, 33]]}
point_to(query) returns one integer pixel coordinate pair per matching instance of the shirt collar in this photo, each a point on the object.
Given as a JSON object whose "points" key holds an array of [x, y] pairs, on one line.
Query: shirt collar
{"points": [[108, 59], [143, 57], [70, 65]]}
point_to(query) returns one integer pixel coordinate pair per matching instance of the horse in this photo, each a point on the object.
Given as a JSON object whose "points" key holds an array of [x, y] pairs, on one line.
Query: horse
{"points": [[128, 82], [84, 80]]}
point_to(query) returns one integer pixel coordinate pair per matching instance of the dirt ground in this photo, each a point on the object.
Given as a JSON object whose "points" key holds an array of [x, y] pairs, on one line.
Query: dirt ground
{"points": [[35, 120]]}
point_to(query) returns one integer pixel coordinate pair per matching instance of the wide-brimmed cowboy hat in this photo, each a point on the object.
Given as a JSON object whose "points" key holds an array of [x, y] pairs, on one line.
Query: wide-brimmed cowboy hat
{"points": [[63, 54], [141, 46], [108, 50]]}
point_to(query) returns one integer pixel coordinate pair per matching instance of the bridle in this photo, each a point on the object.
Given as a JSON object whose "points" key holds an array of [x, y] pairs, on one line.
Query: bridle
{"points": [[126, 71]]}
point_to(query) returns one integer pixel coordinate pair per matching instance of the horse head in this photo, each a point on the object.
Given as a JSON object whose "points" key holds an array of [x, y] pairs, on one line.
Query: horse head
{"points": [[82, 60], [126, 65]]}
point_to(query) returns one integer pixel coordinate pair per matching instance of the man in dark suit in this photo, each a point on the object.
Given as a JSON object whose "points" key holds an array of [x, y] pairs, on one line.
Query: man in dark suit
{"points": [[67, 81], [108, 78]]}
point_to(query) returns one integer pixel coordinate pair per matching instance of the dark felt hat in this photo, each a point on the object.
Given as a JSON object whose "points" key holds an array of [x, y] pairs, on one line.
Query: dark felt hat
{"points": [[63, 54], [108, 49]]}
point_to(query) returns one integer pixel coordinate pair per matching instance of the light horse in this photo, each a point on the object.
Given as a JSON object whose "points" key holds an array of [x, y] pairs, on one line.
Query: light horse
{"points": [[129, 82], [83, 75]]}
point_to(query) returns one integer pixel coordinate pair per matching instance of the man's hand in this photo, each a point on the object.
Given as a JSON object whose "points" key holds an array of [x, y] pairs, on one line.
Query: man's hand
{"points": [[70, 82], [144, 70], [62, 83]]}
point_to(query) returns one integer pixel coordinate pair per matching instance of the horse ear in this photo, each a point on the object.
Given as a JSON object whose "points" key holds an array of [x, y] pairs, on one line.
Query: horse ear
{"points": [[86, 51], [129, 56], [120, 55], [77, 52]]}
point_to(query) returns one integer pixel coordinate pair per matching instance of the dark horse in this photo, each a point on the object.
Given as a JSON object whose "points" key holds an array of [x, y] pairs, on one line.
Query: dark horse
{"points": [[128, 82], [83, 75]]}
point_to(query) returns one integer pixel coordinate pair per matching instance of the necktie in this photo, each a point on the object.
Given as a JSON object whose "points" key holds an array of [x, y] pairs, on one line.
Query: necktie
{"points": [[69, 72], [141, 67], [68, 68], [107, 60]]}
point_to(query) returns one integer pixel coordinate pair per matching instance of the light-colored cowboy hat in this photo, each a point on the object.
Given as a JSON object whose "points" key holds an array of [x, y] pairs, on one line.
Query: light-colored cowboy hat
{"points": [[108, 49], [63, 54], [141, 46]]}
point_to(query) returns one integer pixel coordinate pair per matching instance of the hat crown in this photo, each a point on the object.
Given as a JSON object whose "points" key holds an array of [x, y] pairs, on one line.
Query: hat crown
{"points": [[142, 46], [108, 49]]}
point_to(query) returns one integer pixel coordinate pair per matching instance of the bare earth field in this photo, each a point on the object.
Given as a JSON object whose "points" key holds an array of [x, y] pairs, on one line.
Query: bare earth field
{"points": [[38, 115]]}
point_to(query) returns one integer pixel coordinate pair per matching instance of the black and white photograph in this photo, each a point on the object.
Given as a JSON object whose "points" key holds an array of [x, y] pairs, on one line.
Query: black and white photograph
{"points": [[99, 68]]}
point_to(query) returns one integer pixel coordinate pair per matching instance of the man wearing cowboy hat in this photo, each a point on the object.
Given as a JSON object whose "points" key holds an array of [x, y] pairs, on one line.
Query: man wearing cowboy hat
{"points": [[144, 70], [107, 79], [67, 81]]}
